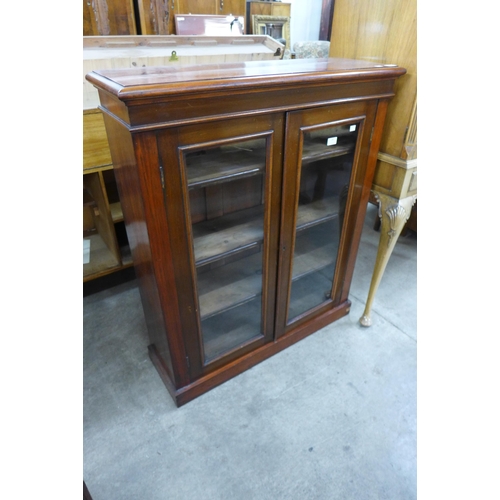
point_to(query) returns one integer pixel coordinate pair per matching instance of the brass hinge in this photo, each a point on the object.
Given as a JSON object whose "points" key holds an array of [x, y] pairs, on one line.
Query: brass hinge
{"points": [[187, 361]]}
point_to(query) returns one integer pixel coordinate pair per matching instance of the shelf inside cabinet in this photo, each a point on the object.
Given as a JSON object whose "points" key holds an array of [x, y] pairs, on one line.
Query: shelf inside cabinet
{"points": [[230, 285], [316, 247], [233, 285], [226, 295], [232, 329], [311, 261], [222, 165], [328, 143], [309, 291], [315, 256], [226, 235], [312, 152], [220, 237], [317, 212]]}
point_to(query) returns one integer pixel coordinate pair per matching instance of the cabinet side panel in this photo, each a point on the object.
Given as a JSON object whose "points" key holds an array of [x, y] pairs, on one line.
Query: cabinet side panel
{"points": [[128, 183]]}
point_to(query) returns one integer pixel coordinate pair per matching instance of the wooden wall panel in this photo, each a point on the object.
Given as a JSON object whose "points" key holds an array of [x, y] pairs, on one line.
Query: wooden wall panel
{"points": [[108, 17], [156, 17], [385, 32]]}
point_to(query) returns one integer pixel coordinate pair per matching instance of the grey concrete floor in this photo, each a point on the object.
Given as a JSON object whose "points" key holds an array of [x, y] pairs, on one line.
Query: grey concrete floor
{"points": [[332, 417]]}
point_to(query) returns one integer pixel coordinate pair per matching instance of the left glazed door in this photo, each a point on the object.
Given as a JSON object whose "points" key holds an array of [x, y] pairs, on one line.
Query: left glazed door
{"points": [[222, 191]]}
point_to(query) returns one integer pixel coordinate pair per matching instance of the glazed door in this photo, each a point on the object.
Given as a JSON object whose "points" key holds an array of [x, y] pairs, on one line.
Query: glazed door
{"points": [[222, 185], [325, 162]]}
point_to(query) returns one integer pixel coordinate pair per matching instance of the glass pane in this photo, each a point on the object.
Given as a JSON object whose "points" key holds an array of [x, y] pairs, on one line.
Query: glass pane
{"points": [[226, 186], [327, 161]]}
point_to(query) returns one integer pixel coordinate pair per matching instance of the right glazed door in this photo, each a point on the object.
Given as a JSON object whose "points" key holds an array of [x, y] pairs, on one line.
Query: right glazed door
{"points": [[325, 162]]}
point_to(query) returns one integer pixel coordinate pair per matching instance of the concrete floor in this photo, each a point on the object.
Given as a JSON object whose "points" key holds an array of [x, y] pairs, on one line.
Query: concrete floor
{"points": [[332, 417]]}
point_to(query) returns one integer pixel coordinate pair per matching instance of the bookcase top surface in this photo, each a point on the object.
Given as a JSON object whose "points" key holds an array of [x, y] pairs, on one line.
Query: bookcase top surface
{"points": [[148, 81]]}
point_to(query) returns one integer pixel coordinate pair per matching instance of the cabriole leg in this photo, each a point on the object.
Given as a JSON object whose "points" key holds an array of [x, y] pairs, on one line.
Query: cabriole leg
{"points": [[393, 214]]}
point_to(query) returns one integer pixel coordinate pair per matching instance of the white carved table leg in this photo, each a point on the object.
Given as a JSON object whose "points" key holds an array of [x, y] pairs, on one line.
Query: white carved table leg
{"points": [[393, 214]]}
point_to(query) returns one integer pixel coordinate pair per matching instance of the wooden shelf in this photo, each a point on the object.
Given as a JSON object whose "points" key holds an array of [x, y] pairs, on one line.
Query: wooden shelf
{"points": [[232, 329], [230, 285], [309, 291], [107, 254], [316, 146], [218, 238], [314, 260], [315, 248], [228, 288], [96, 154], [236, 283], [221, 237], [313, 152], [317, 212], [102, 260], [315, 257], [222, 166]]}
